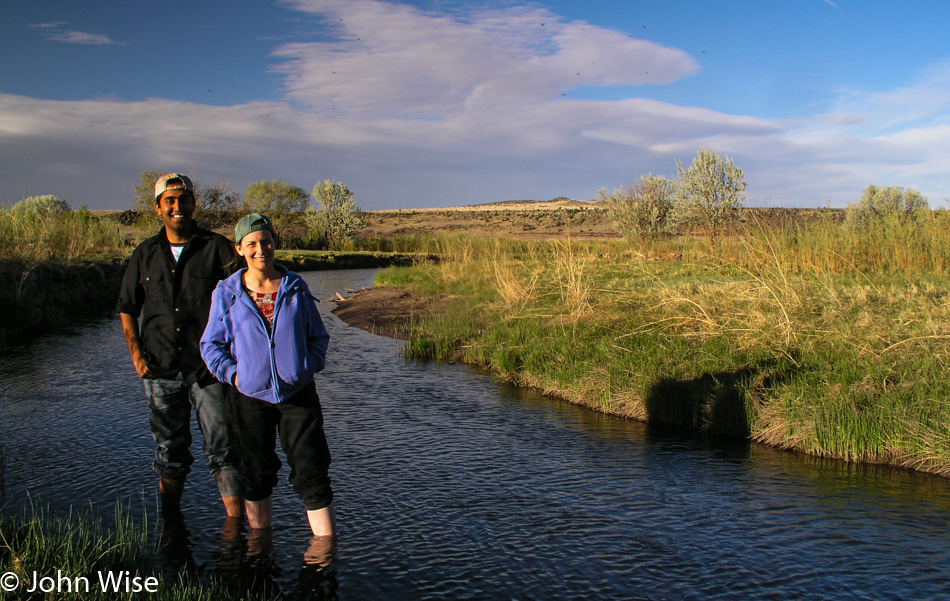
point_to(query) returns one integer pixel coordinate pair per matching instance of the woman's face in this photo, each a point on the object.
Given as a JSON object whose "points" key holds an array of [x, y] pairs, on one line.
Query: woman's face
{"points": [[257, 248]]}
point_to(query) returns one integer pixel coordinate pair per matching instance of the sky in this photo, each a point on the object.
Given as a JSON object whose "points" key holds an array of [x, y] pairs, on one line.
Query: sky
{"points": [[431, 103]]}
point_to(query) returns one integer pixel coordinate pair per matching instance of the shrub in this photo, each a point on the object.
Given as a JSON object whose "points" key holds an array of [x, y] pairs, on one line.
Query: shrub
{"points": [[711, 191], [280, 201], [41, 205], [217, 205], [881, 206], [338, 219], [643, 210]]}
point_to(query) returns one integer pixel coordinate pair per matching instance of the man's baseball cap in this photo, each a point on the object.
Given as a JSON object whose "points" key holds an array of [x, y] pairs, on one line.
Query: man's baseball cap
{"points": [[251, 223], [162, 184]]}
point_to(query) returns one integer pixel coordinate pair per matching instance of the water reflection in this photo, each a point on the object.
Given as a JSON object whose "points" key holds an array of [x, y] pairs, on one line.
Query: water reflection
{"points": [[245, 561], [453, 487], [174, 546]]}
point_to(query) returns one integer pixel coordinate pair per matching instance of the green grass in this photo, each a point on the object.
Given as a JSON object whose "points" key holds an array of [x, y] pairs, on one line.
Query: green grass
{"points": [[79, 548], [812, 339]]}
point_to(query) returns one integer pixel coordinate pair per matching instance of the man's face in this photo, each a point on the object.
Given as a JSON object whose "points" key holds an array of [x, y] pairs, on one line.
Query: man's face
{"points": [[176, 207]]}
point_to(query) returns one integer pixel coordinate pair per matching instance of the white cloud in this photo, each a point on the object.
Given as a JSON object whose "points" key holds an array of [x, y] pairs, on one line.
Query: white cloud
{"points": [[892, 137], [389, 60], [56, 32]]}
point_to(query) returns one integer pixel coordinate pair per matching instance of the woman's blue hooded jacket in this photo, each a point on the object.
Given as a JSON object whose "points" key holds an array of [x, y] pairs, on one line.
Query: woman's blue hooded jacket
{"points": [[270, 366]]}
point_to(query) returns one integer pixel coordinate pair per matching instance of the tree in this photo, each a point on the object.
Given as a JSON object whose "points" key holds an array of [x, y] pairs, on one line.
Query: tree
{"points": [[283, 203], [145, 200], [215, 206], [41, 205], [643, 210], [885, 205], [338, 218], [711, 191]]}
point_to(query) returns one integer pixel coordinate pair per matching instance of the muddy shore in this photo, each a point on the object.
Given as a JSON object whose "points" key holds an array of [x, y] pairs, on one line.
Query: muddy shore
{"points": [[386, 311]]}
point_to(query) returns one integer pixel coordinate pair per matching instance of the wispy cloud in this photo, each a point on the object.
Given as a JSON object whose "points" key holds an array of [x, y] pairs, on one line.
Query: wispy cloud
{"points": [[892, 137], [57, 31]]}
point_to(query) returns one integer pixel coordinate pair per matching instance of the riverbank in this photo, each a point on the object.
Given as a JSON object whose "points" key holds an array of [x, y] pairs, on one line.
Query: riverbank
{"points": [[810, 341], [388, 311], [49, 295]]}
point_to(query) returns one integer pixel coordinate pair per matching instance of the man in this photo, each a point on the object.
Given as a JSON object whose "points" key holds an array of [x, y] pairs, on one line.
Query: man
{"points": [[168, 283]]}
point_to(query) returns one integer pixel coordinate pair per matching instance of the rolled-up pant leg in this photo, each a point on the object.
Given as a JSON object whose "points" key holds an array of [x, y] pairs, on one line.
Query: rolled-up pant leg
{"points": [[255, 425], [299, 420], [213, 408], [305, 444], [169, 419]]}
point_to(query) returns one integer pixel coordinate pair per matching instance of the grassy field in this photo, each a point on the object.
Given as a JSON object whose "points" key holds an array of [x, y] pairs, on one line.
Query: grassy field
{"points": [[804, 337]]}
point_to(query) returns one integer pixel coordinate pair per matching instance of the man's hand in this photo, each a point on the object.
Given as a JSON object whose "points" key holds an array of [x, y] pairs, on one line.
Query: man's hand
{"points": [[141, 368], [130, 329]]}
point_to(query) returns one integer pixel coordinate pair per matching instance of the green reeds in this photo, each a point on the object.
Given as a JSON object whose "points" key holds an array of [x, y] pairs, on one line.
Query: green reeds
{"points": [[812, 338], [76, 557]]}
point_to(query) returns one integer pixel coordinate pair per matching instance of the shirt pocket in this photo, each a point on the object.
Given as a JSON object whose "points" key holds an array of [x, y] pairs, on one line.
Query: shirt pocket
{"points": [[153, 282]]}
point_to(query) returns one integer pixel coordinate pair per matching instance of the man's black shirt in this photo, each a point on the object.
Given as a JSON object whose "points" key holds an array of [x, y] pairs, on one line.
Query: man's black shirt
{"points": [[173, 300]]}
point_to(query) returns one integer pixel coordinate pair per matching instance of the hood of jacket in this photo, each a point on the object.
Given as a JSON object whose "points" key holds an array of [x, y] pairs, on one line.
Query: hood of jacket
{"points": [[289, 282]]}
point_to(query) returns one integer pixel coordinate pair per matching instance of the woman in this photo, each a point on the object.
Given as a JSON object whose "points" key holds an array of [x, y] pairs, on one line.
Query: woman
{"points": [[266, 338]]}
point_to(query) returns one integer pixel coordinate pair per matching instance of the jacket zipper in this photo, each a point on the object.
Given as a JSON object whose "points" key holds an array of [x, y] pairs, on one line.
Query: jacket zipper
{"points": [[270, 334]]}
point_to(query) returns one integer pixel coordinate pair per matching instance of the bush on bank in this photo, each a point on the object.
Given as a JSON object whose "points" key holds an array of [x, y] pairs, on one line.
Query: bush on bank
{"points": [[811, 339]]}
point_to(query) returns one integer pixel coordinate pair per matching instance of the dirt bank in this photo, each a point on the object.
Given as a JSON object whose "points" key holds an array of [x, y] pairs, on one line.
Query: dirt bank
{"points": [[49, 295], [386, 311]]}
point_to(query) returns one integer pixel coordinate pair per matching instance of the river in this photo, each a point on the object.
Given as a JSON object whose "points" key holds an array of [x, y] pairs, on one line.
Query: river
{"points": [[451, 486]]}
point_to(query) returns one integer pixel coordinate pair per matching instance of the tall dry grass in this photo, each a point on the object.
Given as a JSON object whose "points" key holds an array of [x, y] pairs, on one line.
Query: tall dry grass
{"points": [[813, 338], [67, 236]]}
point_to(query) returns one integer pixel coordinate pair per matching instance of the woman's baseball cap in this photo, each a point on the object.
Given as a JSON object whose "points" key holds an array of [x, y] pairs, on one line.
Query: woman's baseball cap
{"points": [[251, 223]]}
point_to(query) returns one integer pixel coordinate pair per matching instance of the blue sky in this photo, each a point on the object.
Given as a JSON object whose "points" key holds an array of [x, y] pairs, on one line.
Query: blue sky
{"points": [[445, 103]]}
